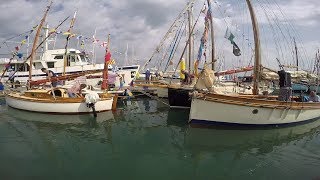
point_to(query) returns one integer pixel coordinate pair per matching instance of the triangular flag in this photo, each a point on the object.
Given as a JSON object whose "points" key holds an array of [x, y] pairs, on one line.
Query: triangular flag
{"points": [[236, 50], [66, 33]]}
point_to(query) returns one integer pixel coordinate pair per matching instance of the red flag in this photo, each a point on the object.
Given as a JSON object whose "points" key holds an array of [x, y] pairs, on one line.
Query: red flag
{"points": [[107, 57], [17, 48]]}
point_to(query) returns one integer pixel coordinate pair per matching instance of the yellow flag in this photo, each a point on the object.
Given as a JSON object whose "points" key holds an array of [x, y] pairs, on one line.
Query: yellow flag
{"points": [[66, 33]]}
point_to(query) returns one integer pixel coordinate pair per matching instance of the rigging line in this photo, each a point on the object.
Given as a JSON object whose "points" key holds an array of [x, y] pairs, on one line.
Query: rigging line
{"points": [[293, 28], [276, 40], [167, 33], [190, 33], [166, 51], [22, 64], [177, 46], [278, 24], [174, 45], [30, 31], [172, 42], [275, 33]]}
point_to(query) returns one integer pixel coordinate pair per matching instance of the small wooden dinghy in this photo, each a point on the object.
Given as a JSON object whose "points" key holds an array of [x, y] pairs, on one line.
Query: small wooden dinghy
{"points": [[58, 101]]}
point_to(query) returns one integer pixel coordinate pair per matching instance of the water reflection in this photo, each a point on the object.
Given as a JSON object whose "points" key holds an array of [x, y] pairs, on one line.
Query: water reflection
{"points": [[153, 139]]}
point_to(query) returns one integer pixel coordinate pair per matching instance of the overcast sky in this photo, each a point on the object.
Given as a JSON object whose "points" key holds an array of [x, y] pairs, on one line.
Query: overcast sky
{"points": [[142, 23]]}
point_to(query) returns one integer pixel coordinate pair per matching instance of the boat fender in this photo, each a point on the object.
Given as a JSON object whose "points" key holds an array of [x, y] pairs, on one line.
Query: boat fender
{"points": [[92, 98]]}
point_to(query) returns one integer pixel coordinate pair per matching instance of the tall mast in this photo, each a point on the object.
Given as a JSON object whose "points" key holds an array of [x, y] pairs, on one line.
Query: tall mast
{"points": [[104, 85], [212, 37], [66, 46], [35, 41], [257, 54], [190, 39], [296, 51]]}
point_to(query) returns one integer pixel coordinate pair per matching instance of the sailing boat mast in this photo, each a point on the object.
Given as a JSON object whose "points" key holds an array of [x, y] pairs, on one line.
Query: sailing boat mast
{"points": [[257, 54], [66, 46], [212, 37], [34, 46], [296, 51], [190, 39], [104, 85]]}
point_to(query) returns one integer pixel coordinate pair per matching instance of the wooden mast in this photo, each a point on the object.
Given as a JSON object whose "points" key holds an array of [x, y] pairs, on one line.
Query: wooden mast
{"points": [[190, 44], [257, 54], [104, 85], [34, 45], [212, 37], [66, 46]]}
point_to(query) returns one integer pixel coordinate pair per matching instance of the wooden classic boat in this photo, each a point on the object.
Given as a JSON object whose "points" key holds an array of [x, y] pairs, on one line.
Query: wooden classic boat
{"points": [[254, 109], [58, 101], [251, 110]]}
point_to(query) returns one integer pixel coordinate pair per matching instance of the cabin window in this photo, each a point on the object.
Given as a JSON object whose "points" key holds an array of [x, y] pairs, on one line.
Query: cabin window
{"points": [[50, 64], [58, 57], [83, 58], [23, 67], [70, 59]]}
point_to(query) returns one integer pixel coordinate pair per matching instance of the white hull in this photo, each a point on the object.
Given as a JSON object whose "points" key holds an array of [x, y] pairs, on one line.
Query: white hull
{"points": [[129, 73], [59, 107], [162, 92], [248, 114]]}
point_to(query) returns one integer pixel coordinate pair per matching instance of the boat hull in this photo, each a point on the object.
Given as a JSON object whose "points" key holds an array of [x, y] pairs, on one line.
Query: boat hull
{"points": [[162, 92], [179, 97], [57, 107], [228, 111]]}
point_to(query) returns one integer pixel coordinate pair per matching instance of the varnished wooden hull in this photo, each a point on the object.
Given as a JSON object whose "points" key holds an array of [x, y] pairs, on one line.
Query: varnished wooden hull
{"points": [[246, 110], [58, 106]]}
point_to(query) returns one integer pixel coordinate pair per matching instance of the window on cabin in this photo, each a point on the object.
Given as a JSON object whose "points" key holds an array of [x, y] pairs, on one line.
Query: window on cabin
{"points": [[58, 57], [70, 59], [50, 64]]}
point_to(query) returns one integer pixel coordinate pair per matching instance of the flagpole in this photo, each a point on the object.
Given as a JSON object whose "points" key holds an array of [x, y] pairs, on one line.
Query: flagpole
{"points": [[104, 85], [212, 37], [34, 46], [68, 38]]}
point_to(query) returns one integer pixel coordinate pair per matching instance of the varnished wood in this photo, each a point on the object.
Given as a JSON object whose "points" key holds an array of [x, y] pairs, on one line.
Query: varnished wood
{"points": [[257, 54]]}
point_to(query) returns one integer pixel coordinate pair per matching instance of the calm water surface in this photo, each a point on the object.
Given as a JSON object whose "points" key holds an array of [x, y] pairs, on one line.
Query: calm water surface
{"points": [[146, 140]]}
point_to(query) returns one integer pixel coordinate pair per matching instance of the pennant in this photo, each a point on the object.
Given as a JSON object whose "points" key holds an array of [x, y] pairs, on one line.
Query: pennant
{"points": [[236, 50], [20, 55], [23, 42], [52, 31], [58, 32], [17, 48], [66, 33], [26, 37], [107, 57], [104, 44], [79, 37]]}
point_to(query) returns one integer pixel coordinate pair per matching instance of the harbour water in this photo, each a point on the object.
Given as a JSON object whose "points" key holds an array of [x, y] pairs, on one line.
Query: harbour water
{"points": [[145, 139]]}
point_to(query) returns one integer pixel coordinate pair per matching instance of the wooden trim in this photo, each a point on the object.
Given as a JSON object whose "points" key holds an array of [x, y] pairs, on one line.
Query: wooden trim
{"points": [[52, 100], [255, 102]]}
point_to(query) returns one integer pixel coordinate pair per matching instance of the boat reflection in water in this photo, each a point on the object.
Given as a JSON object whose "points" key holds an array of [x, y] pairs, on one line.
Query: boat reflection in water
{"points": [[226, 138], [57, 118]]}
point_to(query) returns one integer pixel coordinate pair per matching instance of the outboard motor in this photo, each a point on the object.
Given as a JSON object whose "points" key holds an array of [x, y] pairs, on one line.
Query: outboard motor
{"points": [[91, 99], [285, 86]]}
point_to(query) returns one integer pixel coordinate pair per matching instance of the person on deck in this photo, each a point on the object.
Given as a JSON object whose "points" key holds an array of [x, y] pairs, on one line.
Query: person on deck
{"points": [[49, 75], [313, 97], [187, 78], [11, 77], [148, 74], [76, 90]]}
